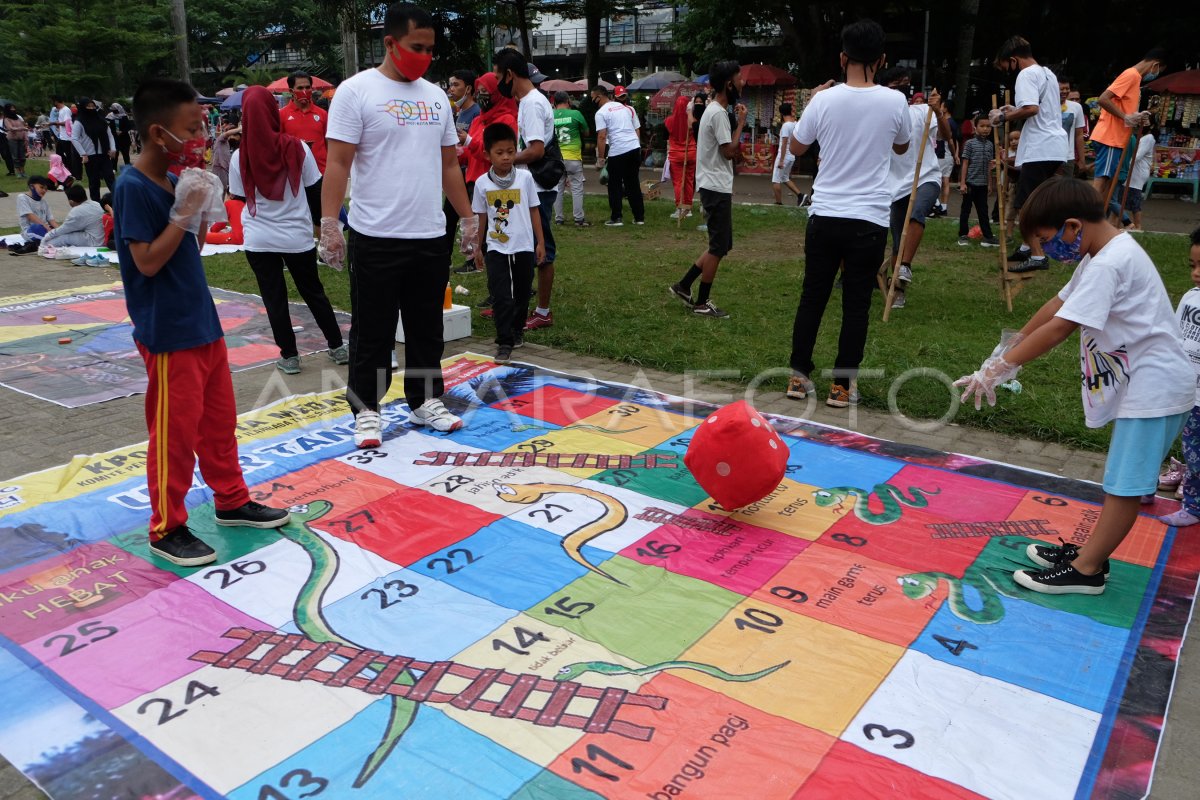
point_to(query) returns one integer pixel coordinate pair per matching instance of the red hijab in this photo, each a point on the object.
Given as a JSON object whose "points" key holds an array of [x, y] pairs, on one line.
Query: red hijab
{"points": [[503, 109], [680, 119], [269, 158]]}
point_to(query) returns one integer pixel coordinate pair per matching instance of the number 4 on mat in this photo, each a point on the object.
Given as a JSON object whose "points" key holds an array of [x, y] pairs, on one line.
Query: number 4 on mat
{"points": [[955, 646]]}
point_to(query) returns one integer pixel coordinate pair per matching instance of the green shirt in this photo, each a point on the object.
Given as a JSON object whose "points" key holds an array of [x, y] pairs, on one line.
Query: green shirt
{"points": [[569, 126]]}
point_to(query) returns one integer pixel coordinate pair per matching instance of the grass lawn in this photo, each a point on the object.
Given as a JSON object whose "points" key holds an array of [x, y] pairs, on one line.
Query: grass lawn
{"points": [[610, 300]]}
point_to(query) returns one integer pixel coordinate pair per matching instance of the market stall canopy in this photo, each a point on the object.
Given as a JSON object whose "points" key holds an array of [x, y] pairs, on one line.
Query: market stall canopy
{"points": [[582, 85], [281, 84], [663, 100], [555, 85], [226, 91], [655, 81], [1185, 82], [766, 75]]}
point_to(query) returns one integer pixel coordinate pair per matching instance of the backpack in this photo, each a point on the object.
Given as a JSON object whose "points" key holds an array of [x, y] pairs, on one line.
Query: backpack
{"points": [[548, 170]]}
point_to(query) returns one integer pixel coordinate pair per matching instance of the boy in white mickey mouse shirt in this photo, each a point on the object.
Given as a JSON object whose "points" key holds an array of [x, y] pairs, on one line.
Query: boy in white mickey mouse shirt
{"points": [[510, 226]]}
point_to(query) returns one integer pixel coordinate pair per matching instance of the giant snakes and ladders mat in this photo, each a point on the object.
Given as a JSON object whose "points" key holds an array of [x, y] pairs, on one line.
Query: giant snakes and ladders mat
{"points": [[545, 605], [98, 360]]}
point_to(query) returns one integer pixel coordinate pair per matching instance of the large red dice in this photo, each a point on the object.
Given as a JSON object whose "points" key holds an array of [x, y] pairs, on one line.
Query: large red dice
{"points": [[736, 456]]}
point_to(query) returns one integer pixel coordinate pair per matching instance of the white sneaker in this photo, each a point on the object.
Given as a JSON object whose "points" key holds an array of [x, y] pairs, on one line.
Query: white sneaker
{"points": [[905, 275], [368, 429], [434, 414], [395, 363]]}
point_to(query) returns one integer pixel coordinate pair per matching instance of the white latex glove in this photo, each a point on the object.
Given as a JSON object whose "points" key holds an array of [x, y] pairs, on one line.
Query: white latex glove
{"points": [[470, 235], [984, 381], [192, 197], [216, 211], [1136, 120], [332, 248], [994, 114], [1008, 340]]}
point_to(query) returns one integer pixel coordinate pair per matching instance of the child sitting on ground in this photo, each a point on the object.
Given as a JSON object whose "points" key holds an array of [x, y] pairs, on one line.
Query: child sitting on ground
{"points": [[84, 225], [506, 201], [1135, 370], [106, 203], [58, 174], [159, 233], [34, 216], [1188, 316]]}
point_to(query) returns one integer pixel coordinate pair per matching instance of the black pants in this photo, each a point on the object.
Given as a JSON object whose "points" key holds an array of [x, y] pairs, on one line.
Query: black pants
{"points": [[99, 168], [70, 157], [510, 282], [857, 246], [977, 197], [123, 145], [623, 182], [6, 154], [395, 280], [268, 271], [452, 221]]}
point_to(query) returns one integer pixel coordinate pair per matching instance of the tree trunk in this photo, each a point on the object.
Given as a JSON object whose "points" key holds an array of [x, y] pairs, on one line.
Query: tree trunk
{"points": [[968, 13], [522, 10], [349, 44], [593, 17], [179, 24]]}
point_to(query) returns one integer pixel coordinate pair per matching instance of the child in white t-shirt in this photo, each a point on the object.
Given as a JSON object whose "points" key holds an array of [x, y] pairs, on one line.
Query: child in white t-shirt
{"points": [[1135, 370], [1188, 315], [506, 201]]}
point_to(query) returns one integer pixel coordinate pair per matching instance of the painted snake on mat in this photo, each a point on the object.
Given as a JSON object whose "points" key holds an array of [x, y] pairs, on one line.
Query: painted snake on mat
{"points": [[614, 516], [573, 671], [310, 619], [920, 585], [890, 496]]}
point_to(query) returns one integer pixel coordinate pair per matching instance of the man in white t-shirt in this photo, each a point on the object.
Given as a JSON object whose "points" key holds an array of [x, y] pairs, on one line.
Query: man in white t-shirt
{"points": [[1043, 147], [859, 125], [619, 147], [62, 126], [903, 166], [1074, 122], [784, 160], [392, 133], [717, 149], [535, 132]]}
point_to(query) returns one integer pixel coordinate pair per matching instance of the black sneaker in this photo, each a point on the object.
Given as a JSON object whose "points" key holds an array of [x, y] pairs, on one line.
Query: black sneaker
{"points": [[182, 548], [1051, 555], [707, 309], [485, 302], [255, 515], [503, 354], [681, 293], [582, 223], [23, 249], [1019, 255], [468, 268], [518, 339], [800, 198], [1031, 264], [1062, 579]]}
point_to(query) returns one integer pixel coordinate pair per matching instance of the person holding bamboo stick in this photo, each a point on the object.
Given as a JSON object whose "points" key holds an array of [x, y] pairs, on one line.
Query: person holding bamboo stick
{"points": [[1119, 115], [1044, 145], [682, 127], [931, 126]]}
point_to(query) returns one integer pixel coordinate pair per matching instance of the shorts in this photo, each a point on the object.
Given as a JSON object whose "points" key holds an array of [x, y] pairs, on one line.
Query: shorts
{"points": [[1136, 452], [1108, 159], [783, 172], [927, 196], [718, 208], [947, 165], [1033, 175], [1134, 201]]}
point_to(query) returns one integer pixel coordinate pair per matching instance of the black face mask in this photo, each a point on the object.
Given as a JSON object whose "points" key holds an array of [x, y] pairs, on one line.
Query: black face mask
{"points": [[234, 144], [697, 111], [506, 88]]}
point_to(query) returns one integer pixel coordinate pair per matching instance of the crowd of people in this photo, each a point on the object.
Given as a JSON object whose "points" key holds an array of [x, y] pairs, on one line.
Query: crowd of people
{"points": [[493, 156]]}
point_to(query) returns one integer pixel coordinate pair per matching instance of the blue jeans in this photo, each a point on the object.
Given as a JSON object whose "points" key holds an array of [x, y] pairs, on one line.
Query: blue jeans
{"points": [[546, 210]]}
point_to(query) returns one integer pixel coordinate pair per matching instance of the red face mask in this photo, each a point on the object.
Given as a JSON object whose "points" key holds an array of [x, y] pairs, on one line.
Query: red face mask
{"points": [[302, 95], [411, 65], [191, 154]]}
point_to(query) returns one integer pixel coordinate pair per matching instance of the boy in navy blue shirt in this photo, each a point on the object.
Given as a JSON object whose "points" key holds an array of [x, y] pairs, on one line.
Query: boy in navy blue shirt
{"points": [[190, 410]]}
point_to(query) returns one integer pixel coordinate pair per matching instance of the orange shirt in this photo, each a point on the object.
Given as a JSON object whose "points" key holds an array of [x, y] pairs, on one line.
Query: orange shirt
{"points": [[307, 126], [1127, 94]]}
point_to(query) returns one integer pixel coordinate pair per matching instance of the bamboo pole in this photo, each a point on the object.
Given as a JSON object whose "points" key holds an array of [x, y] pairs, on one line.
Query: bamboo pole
{"points": [[1000, 143], [912, 199], [683, 177], [1128, 177]]}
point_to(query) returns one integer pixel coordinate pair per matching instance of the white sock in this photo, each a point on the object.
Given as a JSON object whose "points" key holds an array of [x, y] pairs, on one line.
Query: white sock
{"points": [[545, 312]]}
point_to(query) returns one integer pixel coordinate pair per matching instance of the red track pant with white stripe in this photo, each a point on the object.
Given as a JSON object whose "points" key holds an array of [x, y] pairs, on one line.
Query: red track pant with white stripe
{"points": [[191, 414]]}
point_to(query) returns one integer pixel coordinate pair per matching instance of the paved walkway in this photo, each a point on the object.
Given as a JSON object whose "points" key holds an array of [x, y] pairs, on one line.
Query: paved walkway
{"points": [[36, 434]]}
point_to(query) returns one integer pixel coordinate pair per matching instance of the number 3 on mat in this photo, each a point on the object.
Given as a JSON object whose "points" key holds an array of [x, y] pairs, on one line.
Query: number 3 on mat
{"points": [[907, 739]]}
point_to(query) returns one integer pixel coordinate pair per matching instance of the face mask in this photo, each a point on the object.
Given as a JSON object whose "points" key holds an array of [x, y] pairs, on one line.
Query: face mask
{"points": [[484, 101], [411, 65], [302, 95], [506, 88], [191, 154], [1065, 252], [1149, 77]]}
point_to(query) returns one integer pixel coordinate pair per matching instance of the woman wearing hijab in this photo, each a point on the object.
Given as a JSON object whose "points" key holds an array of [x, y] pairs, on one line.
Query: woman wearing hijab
{"points": [[94, 142], [682, 126], [17, 133], [493, 107], [122, 128], [272, 170]]}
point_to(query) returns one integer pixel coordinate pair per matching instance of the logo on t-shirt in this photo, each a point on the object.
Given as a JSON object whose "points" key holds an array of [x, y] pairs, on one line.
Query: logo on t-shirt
{"points": [[1105, 375], [410, 112], [503, 201]]}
